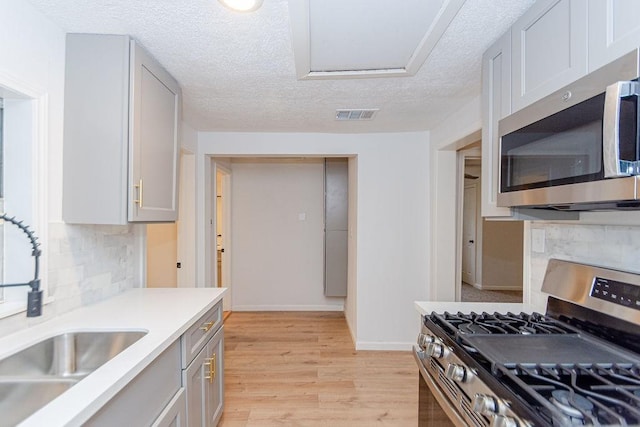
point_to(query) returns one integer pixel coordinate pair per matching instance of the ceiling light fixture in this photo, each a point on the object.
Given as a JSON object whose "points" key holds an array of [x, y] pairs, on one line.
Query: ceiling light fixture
{"points": [[242, 5]]}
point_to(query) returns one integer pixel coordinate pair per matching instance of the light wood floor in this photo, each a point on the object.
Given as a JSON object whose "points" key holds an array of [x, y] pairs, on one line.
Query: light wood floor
{"points": [[300, 369]]}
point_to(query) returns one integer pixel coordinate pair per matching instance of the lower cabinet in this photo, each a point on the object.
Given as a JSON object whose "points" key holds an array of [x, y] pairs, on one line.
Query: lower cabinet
{"points": [[181, 387], [146, 399], [204, 382]]}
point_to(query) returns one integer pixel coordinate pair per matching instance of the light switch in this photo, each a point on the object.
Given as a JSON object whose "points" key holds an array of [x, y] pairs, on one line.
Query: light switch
{"points": [[302, 216]]}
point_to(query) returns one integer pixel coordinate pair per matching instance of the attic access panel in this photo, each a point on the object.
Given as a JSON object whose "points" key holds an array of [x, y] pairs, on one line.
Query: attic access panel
{"points": [[361, 38]]}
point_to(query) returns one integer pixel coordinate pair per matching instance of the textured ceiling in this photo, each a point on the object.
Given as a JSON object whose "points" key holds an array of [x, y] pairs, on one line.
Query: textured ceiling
{"points": [[237, 71]]}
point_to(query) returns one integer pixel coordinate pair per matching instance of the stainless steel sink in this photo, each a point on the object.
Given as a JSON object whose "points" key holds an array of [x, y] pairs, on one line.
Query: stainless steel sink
{"points": [[72, 354], [21, 398], [31, 378]]}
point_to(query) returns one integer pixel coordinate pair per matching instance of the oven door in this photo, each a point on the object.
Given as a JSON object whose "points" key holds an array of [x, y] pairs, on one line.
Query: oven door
{"points": [[434, 408]]}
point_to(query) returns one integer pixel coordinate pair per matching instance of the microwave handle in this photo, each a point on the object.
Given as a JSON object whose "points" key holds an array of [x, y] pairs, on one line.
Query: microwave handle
{"points": [[613, 165]]}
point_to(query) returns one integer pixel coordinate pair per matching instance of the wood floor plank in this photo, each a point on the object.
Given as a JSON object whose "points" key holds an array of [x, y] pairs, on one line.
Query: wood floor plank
{"points": [[301, 369]]}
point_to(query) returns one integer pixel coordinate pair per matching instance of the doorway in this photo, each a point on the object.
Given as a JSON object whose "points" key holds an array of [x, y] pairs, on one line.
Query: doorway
{"points": [[221, 267], [490, 250]]}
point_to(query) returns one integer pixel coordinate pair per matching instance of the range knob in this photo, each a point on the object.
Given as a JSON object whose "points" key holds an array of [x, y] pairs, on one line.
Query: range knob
{"points": [[504, 421], [456, 373], [424, 340], [437, 350], [485, 404]]}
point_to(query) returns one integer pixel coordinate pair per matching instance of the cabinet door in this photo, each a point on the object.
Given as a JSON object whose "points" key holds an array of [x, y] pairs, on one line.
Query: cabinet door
{"points": [[496, 104], [204, 382], [174, 415], [215, 382], [153, 141], [195, 382], [614, 30], [549, 49]]}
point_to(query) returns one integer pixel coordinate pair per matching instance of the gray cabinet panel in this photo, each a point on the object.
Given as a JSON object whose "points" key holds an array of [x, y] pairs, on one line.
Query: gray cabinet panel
{"points": [[96, 127], [335, 263], [146, 396], [336, 207], [336, 194]]}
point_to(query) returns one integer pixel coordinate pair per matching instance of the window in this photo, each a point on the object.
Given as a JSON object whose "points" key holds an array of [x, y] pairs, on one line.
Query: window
{"points": [[1, 196], [22, 162]]}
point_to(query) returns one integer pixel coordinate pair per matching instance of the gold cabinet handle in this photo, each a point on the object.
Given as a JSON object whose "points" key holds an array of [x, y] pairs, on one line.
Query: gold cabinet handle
{"points": [[139, 187], [211, 363], [206, 326]]}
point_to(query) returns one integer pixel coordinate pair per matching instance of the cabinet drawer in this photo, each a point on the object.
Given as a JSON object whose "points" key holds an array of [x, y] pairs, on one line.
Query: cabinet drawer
{"points": [[197, 335]]}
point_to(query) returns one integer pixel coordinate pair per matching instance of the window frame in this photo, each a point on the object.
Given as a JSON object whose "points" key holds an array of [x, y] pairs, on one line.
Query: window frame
{"points": [[35, 130]]}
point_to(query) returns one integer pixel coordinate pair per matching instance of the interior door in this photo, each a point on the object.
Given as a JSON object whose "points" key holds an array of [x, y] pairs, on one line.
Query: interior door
{"points": [[469, 215]]}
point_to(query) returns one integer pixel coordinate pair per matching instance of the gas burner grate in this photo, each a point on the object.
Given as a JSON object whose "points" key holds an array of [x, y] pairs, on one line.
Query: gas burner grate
{"points": [[579, 395]]}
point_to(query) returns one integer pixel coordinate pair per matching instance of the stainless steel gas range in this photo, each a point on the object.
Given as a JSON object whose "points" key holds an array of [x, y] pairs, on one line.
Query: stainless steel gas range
{"points": [[578, 364]]}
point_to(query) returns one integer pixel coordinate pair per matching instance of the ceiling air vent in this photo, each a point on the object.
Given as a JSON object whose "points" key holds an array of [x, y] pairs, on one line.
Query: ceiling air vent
{"points": [[356, 114]]}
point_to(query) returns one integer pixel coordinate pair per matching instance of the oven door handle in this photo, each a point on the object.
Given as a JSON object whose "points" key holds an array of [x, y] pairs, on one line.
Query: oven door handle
{"points": [[614, 166], [442, 400]]}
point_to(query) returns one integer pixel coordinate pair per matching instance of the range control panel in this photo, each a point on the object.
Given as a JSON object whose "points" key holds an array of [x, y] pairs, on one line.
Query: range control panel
{"points": [[616, 292]]}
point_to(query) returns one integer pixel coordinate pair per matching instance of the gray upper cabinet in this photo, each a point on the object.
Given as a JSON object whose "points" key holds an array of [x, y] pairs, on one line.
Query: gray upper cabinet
{"points": [[549, 49], [614, 30], [121, 127], [496, 104]]}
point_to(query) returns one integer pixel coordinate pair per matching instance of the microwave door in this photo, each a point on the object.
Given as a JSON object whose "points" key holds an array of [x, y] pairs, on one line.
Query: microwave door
{"points": [[620, 145]]}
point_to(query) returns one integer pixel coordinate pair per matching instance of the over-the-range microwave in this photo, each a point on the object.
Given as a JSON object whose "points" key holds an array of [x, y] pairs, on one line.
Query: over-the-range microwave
{"points": [[579, 148]]}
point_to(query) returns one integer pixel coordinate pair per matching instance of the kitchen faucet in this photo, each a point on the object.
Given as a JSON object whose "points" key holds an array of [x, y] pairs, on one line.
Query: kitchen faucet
{"points": [[34, 296]]}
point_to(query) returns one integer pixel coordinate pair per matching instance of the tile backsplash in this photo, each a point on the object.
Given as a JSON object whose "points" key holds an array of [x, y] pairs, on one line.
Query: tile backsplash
{"points": [[86, 264], [613, 246]]}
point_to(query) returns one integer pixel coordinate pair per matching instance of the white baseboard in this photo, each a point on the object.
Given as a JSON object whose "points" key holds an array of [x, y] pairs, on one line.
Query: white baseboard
{"points": [[384, 346], [287, 308], [498, 288]]}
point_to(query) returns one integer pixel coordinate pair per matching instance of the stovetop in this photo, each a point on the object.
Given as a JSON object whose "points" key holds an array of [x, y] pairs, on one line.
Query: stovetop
{"points": [[578, 364], [557, 371]]}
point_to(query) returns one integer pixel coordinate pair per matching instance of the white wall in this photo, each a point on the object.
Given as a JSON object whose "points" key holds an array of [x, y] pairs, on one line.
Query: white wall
{"points": [[278, 258], [455, 132], [85, 263], [392, 255]]}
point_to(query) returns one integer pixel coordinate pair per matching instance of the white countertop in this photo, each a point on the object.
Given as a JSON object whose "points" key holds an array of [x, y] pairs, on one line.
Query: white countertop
{"points": [[164, 313], [427, 307]]}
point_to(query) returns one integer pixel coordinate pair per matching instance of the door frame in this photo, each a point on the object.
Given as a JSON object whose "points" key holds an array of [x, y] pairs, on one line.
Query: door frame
{"points": [[471, 150], [477, 232], [224, 167]]}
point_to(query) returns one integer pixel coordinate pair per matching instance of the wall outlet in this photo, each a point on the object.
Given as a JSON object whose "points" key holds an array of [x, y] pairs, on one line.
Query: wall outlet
{"points": [[537, 240]]}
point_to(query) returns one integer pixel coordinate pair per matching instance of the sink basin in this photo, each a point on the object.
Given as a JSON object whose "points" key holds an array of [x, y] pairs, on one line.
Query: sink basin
{"points": [[31, 378], [72, 354], [21, 398]]}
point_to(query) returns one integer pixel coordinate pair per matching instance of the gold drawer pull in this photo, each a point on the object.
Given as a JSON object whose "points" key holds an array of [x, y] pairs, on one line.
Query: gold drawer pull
{"points": [[206, 326], [211, 363]]}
